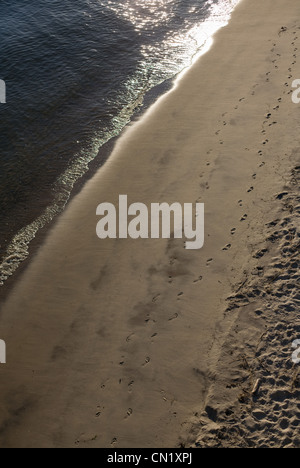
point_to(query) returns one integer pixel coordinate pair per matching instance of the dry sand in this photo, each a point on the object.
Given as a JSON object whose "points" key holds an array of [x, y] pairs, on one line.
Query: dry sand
{"points": [[253, 399], [126, 343]]}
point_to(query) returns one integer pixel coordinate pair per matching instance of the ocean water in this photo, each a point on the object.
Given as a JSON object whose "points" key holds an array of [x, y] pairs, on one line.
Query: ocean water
{"points": [[75, 74]]}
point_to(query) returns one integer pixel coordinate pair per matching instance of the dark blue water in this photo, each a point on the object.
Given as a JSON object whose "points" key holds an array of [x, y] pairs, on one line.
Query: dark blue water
{"points": [[75, 72]]}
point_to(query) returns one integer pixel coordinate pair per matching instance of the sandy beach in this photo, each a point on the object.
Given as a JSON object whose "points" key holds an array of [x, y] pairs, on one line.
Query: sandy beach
{"points": [[142, 343]]}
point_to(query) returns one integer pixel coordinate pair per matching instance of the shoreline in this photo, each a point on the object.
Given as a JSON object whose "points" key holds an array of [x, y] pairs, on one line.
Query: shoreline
{"points": [[149, 99], [93, 167], [113, 344], [17, 257]]}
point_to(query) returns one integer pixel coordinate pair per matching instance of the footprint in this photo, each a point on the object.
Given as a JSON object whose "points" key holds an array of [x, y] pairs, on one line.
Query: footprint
{"points": [[209, 261], [103, 386], [174, 317], [130, 385], [254, 176], [85, 438], [179, 296], [233, 231], [244, 217], [98, 414], [282, 30], [198, 279], [273, 223], [260, 253], [154, 299], [129, 413], [147, 360], [250, 190], [227, 247], [281, 195]]}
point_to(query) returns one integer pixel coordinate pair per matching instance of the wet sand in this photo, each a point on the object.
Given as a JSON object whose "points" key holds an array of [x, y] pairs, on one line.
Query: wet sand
{"points": [[116, 343]]}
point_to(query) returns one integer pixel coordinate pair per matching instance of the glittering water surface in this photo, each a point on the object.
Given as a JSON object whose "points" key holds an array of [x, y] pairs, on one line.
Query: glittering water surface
{"points": [[75, 72]]}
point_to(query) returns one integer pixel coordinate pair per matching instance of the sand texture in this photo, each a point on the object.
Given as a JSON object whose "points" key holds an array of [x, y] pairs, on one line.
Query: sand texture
{"points": [[258, 406]]}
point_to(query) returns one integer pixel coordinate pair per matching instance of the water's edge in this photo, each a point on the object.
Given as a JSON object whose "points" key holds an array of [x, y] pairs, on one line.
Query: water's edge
{"points": [[22, 245], [94, 165]]}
